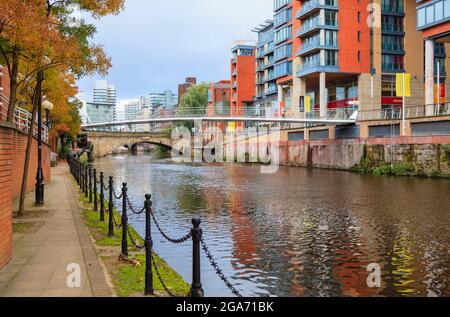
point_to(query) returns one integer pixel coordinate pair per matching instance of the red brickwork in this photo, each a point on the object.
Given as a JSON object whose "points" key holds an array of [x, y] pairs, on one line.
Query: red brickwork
{"points": [[5, 196], [12, 155]]}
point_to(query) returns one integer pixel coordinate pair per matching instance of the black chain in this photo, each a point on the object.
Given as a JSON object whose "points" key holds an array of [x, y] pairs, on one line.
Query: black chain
{"points": [[218, 270], [160, 278], [175, 241], [133, 210], [117, 197]]}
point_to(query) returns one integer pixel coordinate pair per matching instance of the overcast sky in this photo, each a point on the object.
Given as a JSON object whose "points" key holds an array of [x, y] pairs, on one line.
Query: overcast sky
{"points": [[155, 44]]}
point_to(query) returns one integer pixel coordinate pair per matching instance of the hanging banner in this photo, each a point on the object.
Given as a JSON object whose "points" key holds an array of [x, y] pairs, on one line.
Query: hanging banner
{"points": [[399, 85], [439, 90], [308, 104]]}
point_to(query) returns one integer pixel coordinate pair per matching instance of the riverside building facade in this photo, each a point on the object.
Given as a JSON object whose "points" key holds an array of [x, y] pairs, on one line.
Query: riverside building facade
{"points": [[243, 67], [433, 20], [346, 54]]}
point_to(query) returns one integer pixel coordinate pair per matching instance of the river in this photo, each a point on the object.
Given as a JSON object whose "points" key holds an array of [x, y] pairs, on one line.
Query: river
{"points": [[297, 232]]}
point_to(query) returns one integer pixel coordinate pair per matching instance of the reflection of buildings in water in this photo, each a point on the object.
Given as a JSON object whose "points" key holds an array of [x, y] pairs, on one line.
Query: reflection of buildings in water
{"points": [[403, 264], [350, 259], [242, 229]]}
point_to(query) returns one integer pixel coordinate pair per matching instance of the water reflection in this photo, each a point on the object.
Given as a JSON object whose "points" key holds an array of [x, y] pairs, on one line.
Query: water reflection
{"points": [[298, 232]]}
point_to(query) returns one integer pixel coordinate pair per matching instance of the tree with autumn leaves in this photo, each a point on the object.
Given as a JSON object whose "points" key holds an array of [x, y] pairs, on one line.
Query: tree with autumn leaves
{"points": [[45, 51]]}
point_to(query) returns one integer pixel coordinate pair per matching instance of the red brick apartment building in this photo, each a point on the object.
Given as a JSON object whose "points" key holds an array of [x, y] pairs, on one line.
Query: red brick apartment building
{"points": [[243, 81], [182, 88], [219, 94]]}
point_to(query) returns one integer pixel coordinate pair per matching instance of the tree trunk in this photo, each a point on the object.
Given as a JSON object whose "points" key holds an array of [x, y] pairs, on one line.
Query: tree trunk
{"points": [[26, 164], [13, 84]]}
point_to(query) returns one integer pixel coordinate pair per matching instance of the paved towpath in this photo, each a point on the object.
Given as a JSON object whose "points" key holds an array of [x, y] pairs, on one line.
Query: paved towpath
{"points": [[55, 241]]}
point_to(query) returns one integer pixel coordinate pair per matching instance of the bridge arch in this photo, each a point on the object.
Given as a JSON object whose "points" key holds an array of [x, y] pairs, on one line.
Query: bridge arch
{"points": [[133, 147], [105, 143]]}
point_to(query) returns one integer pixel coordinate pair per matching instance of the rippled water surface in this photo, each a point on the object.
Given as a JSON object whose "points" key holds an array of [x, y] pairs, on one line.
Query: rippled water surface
{"points": [[297, 232]]}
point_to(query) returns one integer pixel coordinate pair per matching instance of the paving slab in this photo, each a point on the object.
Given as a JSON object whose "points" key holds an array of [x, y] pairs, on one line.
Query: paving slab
{"points": [[43, 259]]}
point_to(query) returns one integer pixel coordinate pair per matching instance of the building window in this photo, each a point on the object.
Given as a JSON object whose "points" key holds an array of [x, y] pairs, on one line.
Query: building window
{"points": [[330, 18], [330, 58]]}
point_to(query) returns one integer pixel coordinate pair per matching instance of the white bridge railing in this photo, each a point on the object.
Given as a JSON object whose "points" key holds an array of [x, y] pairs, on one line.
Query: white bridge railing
{"points": [[22, 119]]}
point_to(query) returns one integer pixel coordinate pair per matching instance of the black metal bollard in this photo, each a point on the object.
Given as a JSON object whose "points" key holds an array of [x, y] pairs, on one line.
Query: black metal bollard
{"points": [[90, 183], [86, 184], [148, 246], [95, 191], [124, 254], [110, 208], [81, 177], [196, 287], [102, 197], [78, 172]]}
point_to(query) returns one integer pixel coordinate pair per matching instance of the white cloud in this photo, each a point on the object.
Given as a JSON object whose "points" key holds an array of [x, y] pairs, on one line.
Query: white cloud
{"points": [[156, 44]]}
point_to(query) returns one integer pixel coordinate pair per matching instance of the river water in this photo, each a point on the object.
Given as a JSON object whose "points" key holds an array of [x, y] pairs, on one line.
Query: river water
{"points": [[297, 232]]}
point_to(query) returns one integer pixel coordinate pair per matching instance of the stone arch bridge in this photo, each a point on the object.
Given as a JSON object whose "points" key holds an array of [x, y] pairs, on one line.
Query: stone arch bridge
{"points": [[105, 143]]}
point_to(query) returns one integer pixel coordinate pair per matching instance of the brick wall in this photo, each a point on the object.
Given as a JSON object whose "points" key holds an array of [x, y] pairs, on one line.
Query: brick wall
{"points": [[12, 155], [5, 196]]}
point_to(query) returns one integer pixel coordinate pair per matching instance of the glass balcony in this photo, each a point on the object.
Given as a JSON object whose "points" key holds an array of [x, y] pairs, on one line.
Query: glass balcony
{"points": [[314, 46], [315, 25], [314, 6], [306, 69], [432, 13]]}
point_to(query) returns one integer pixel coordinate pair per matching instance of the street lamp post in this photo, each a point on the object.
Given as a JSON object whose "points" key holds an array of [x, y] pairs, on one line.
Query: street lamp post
{"points": [[39, 198]]}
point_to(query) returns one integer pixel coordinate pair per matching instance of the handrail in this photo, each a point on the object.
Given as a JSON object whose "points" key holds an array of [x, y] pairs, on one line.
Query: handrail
{"points": [[422, 111], [22, 119]]}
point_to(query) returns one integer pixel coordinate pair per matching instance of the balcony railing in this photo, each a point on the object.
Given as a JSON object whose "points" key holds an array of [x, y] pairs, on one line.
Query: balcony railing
{"points": [[312, 6], [310, 68], [309, 47], [306, 29]]}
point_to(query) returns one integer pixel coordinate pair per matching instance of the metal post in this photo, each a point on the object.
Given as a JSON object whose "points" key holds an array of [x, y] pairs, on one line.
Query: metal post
{"points": [[95, 191], [148, 247], [86, 176], [196, 233], [110, 208], [102, 197], [403, 106], [90, 183], [39, 195], [81, 177], [124, 254]]}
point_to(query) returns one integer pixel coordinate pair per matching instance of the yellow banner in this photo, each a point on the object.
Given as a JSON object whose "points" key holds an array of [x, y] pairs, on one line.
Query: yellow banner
{"points": [[307, 104], [399, 85]]}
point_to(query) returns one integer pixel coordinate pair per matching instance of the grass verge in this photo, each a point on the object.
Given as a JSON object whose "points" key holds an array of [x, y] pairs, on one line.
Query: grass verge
{"points": [[127, 277]]}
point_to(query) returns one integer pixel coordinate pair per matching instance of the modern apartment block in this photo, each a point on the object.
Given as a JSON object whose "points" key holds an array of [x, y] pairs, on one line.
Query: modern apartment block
{"points": [[266, 99], [131, 109], [243, 67], [103, 107], [285, 42], [347, 53], [433, 19], [167, 100]]}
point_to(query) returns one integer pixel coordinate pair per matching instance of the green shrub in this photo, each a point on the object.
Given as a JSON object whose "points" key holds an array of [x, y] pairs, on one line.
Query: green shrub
{"points": [[64, 151], [84, 159], [399, 169], [446, 149]]}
